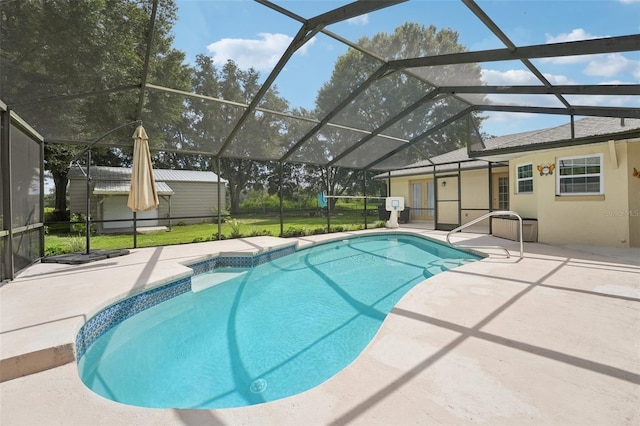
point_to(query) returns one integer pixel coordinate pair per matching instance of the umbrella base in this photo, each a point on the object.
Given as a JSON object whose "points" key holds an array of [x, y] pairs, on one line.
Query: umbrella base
{"points": [[80, 258]]}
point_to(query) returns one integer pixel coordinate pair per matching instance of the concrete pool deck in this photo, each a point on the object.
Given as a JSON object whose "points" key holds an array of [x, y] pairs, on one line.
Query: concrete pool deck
{"points": [[553, 338]]}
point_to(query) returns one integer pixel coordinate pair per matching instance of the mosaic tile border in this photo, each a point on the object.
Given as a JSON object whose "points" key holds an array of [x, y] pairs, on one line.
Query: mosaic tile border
{"points": [[253, 261], [239, 261], [120, 311]]}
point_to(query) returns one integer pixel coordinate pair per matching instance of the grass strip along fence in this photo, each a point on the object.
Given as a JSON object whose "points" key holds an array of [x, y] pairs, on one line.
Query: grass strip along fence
{"points": [[243, 226]]}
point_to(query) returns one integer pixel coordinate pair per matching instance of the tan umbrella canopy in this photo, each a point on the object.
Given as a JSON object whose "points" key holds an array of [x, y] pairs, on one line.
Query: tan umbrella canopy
{"points": [[142, 194]]}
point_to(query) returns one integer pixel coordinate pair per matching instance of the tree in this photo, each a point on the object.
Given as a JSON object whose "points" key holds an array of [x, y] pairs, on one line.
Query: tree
{"points": [[212, 122], [392, 93], [55, 48]]}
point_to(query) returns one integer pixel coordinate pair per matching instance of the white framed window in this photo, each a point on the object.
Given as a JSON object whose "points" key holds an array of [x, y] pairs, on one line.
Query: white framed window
{"points": [[524, 178], [579, 175]]}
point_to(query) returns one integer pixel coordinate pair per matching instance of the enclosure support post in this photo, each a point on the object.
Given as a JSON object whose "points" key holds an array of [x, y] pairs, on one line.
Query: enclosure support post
{"points": [[459, 195], [364, 193], [389, 183], [217, 161], [5, 181], [490, 196], [328, 169], [41, 218], [87, 222], [281, 199], [435, 198]]}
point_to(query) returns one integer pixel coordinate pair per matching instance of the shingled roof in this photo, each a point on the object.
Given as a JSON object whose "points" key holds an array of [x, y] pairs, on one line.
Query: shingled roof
{"points": [[586, 130]]}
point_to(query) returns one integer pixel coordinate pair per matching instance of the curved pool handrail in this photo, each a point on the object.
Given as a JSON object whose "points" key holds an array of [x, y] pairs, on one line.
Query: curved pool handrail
{"points": [[483, 217]]}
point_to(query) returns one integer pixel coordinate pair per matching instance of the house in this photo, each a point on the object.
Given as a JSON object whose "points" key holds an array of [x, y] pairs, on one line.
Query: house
{"points": [[185, 196], [580, 183]]}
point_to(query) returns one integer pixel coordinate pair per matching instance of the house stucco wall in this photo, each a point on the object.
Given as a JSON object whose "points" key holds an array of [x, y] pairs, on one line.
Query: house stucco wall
{"points": [[400, 188], [473, 200], [585, 220], [474, 185]]}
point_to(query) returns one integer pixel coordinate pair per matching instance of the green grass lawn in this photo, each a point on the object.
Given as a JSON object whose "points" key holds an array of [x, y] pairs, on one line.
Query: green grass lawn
{"points": [[243, 227]]}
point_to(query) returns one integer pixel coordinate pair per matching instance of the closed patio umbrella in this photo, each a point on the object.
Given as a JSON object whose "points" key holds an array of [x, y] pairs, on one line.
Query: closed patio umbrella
{"points": [[142, 194]]}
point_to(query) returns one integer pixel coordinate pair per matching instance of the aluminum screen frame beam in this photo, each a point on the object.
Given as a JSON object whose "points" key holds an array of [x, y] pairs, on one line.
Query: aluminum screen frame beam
{"points": [[593, 89], [421, 136], [627, 43], [430, 95], [593, 111], [488, 22], [380, 72], [306, 32]]}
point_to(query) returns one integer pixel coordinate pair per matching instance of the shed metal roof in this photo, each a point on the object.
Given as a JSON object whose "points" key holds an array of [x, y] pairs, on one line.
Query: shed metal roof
{"points": [[114, 174], [109, 187]]}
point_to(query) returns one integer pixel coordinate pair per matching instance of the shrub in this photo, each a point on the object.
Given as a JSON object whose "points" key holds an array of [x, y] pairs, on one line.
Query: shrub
{"points": [[255, 232], [75, 244], [81, 227], [235, 229], [294, 232]]}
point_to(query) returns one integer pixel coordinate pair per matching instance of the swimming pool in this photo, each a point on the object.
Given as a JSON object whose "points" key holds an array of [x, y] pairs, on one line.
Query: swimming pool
{"points": [[261, 333]]}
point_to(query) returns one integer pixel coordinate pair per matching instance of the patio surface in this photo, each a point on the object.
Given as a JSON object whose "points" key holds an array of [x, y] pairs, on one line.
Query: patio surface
{"points": [[551, 339]]}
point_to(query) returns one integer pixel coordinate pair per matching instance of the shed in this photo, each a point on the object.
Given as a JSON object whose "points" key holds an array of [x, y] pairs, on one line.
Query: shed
{"points": [[186, 196]]}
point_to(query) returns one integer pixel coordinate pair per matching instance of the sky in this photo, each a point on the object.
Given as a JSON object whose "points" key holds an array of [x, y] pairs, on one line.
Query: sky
{"points": [[255, 36]]}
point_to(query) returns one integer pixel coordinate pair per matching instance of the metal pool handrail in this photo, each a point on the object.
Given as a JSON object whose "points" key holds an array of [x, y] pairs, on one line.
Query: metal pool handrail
{"points": [[485, 216]]}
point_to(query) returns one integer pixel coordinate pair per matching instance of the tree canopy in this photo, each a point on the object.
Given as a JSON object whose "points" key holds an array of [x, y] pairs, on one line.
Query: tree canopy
{"points": [[98, 48], [386, 96]]}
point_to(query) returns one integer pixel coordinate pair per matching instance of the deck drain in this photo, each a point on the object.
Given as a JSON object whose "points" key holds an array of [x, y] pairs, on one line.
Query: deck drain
{"points": [[258, 386]]}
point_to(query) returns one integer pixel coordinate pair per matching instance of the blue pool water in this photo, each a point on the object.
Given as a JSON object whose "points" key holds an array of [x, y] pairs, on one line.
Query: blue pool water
{"points": [[266, 332]]}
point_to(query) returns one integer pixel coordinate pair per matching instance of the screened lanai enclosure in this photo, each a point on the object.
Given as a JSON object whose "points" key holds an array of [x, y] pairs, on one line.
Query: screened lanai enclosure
{"points": [[369, 86]]}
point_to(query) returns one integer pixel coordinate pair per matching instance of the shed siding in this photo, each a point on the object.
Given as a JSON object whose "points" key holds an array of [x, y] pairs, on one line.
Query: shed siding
{"points": [[189, 199], [192, 199]]}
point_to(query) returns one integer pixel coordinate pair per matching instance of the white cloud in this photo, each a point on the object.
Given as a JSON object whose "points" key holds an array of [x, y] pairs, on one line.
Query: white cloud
{"points": [[359, 20], [612, 65], [508, 78], [520, 78], [600, 65], [574, 35], [629, 1], [261, 54]]}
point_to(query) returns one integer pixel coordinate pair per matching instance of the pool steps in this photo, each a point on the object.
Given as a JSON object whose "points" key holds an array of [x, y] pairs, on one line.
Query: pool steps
{"points": [[52, 355], [119, 311], [209, 279]]}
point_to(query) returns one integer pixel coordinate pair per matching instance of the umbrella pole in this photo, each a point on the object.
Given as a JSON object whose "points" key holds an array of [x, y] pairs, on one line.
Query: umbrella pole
{"points": [[135, 230]]}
